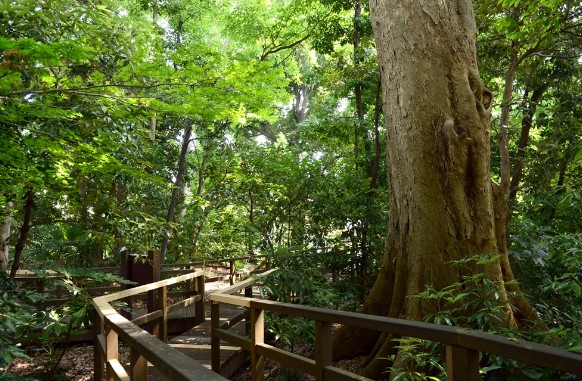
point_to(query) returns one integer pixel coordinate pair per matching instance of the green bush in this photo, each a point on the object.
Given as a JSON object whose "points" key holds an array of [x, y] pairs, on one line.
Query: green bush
{"points": [[19, 320]]}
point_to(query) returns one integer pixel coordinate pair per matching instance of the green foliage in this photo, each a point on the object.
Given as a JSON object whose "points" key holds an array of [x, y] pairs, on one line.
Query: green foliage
{"points": [[18, 319], [548, 264], [475, 303], [418, 354], [303, 284]]}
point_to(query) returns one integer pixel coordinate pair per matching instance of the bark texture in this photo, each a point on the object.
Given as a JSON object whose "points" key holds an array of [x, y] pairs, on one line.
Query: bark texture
{"points": [[5, 235], [443, 205]]}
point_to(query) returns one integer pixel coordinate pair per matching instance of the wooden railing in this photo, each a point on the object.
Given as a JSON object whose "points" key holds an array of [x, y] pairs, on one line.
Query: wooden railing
{"points": [[462, 345], [110, 326], [46, 282]]}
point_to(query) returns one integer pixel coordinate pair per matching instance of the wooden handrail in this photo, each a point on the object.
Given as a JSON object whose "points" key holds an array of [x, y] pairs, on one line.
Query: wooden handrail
{"points": [[168, 269], [462, 345], [145, 347]]}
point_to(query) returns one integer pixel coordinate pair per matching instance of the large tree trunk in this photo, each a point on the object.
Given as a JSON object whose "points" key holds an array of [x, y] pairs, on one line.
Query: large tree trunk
{"points": [[5, 235], [443, 205]]}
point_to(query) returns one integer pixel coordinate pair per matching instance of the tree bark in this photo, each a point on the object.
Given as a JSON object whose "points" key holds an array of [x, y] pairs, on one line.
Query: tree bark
{"points": [[5, 235], [301, 101], [443, 205], [24, 229], [504, 123], [526, 124], [176, 190]]}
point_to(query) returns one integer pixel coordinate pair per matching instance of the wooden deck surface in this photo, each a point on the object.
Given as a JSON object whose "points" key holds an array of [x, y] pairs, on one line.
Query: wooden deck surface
{"points": [[195, 343]]}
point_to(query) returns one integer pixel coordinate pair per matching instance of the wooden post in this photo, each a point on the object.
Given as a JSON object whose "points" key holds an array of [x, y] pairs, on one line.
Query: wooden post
{"points": [[199, 313], [40, 285], [190, 282], [231, 278], [215, 341], [138, 367], [152, 274], [98, 363], [322, 348], [125, 273], [111, 351], [257, 337], [248, 294], [162, 322], [60, 291], [462, 364]]}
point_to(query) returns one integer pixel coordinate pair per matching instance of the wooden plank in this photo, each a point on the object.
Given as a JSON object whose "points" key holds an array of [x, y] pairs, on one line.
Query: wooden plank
{"points": [[230, 299], [147, 317], [214, 340], [236, 319], [233, 338], [292, 360], [239, 286], [257, 339], [183, 303], [138, 366], [147, 287], [462, 364], [199, 288], [163, 322], [443, 334], [171, 363], [336, 374], [322, 348], [524, 351], [117, 371]]}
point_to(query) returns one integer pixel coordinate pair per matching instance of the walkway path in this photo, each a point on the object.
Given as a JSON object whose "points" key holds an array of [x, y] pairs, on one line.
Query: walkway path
{"points": [[195, 343]]}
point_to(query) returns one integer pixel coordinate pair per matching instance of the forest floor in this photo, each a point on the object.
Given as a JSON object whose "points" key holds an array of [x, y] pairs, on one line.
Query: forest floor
{"points": [[77, 365]]}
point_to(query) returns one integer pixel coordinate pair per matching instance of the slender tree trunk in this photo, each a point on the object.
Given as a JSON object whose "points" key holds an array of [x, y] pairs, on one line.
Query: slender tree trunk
{"points": [[526, 124], [5, 235], [24, 229], [515, 59], [155, 12], [504, 123], [176, 190], [153, 126], [301, 101], [561, 182], [443, 205]]}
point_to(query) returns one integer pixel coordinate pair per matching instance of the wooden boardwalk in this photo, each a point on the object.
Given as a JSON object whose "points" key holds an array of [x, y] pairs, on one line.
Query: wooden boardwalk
{"points": [[195, 343]]}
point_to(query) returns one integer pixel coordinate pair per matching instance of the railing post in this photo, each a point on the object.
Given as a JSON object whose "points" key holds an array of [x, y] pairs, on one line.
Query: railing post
{"points": [[125, 272], [138, 366], [248, 294], [98, 363], [231, 278], [214, 341], [257, 337], [199, 313], [190, 285], [462, 364], [322, 348], [111, 351], [162, 323]]}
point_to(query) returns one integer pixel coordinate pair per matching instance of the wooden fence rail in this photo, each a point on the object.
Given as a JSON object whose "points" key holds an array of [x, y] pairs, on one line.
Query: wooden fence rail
{"points": [[462, 345], [110, 326], [45, 282]]}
